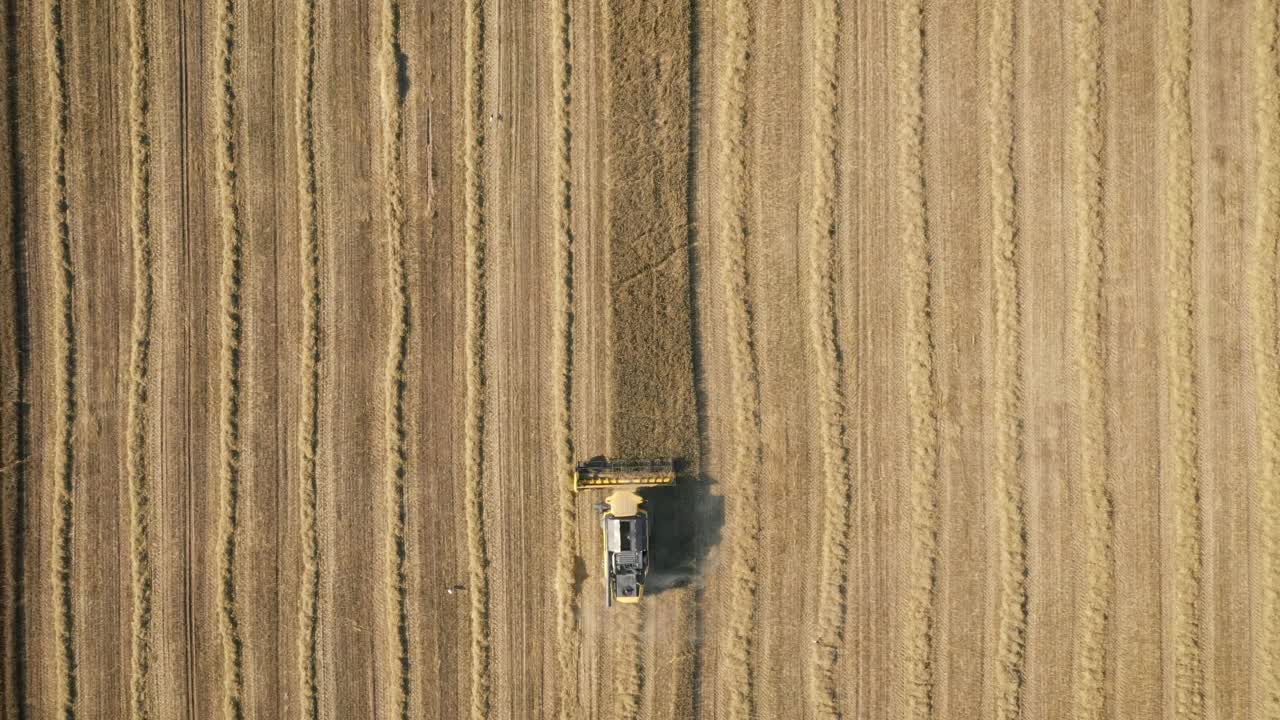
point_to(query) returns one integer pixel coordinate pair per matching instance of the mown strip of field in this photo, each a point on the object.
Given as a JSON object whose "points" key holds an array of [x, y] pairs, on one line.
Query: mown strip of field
{"points": [[917, 671], [837, 479], [742, 516], [398, 337], [1089, 659], [474, 154], [1007, 413], [1182, 440], [561, 198], [139, 426], [60, 247], [231, 339], [1266, 355], [309, 432]]}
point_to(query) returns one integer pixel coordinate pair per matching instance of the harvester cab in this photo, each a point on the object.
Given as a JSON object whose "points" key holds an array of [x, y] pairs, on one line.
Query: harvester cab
{"points": [[624, 519]]}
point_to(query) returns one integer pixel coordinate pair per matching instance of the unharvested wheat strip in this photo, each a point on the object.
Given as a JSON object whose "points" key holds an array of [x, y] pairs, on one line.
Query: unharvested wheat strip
{"points": [[1182, 442], [231, 339], [477, 552], [1011, 561], [397, 349], [309, 440], [837, 480], [1265, 664], [138, 428], [744, 520], [917, 670], [562, 361], [65, 381], [1089, 659]]}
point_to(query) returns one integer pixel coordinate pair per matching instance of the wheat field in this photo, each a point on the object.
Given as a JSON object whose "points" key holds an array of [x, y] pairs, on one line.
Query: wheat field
{"points": [[962, 320]]}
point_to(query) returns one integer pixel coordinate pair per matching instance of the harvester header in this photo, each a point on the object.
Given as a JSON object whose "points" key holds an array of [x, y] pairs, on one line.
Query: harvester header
{"points": [[602, 473]]}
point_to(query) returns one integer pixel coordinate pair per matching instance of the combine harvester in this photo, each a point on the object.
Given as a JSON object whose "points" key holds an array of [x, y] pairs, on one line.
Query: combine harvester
{"points": [[624, 519]]}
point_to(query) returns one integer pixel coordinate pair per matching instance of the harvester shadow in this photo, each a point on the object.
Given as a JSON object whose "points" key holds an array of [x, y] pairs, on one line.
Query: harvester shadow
{"points": [[688, 518]]}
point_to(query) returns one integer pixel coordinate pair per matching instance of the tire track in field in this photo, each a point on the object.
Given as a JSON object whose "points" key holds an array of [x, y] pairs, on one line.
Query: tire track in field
{"points": [[66, 371], [743, 528], [140, 360], [837, 478], [917, 667], [309, 440], [1089, 651], [389, 57], [1182, 442], [232, 332], [477, 551], [1011, 557], [1266, 355], [567, 642]]}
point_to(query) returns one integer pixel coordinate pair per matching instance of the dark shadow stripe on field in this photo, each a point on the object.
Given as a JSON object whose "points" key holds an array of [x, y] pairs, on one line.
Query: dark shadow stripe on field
{"points": [[15, 639]]}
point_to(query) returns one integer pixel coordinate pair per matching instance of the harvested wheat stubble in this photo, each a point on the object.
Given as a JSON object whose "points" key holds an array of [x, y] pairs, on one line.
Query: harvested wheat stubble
{"points": [[1089, 660], [475, 156], [62, 262], [140, 359], [629, 681], [742, 529], [837, 476], [1182, 443], [397, 622], [1010, 526], [567, 642], [1263, 268], [309, 431], [917, 673]]}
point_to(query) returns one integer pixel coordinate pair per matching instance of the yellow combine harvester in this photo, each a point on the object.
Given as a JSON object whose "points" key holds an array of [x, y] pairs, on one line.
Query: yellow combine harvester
{"points": [[624, 519]]}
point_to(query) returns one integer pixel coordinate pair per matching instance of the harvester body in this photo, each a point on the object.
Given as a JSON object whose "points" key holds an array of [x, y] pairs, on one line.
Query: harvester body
{"points": [[624, 521]]}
